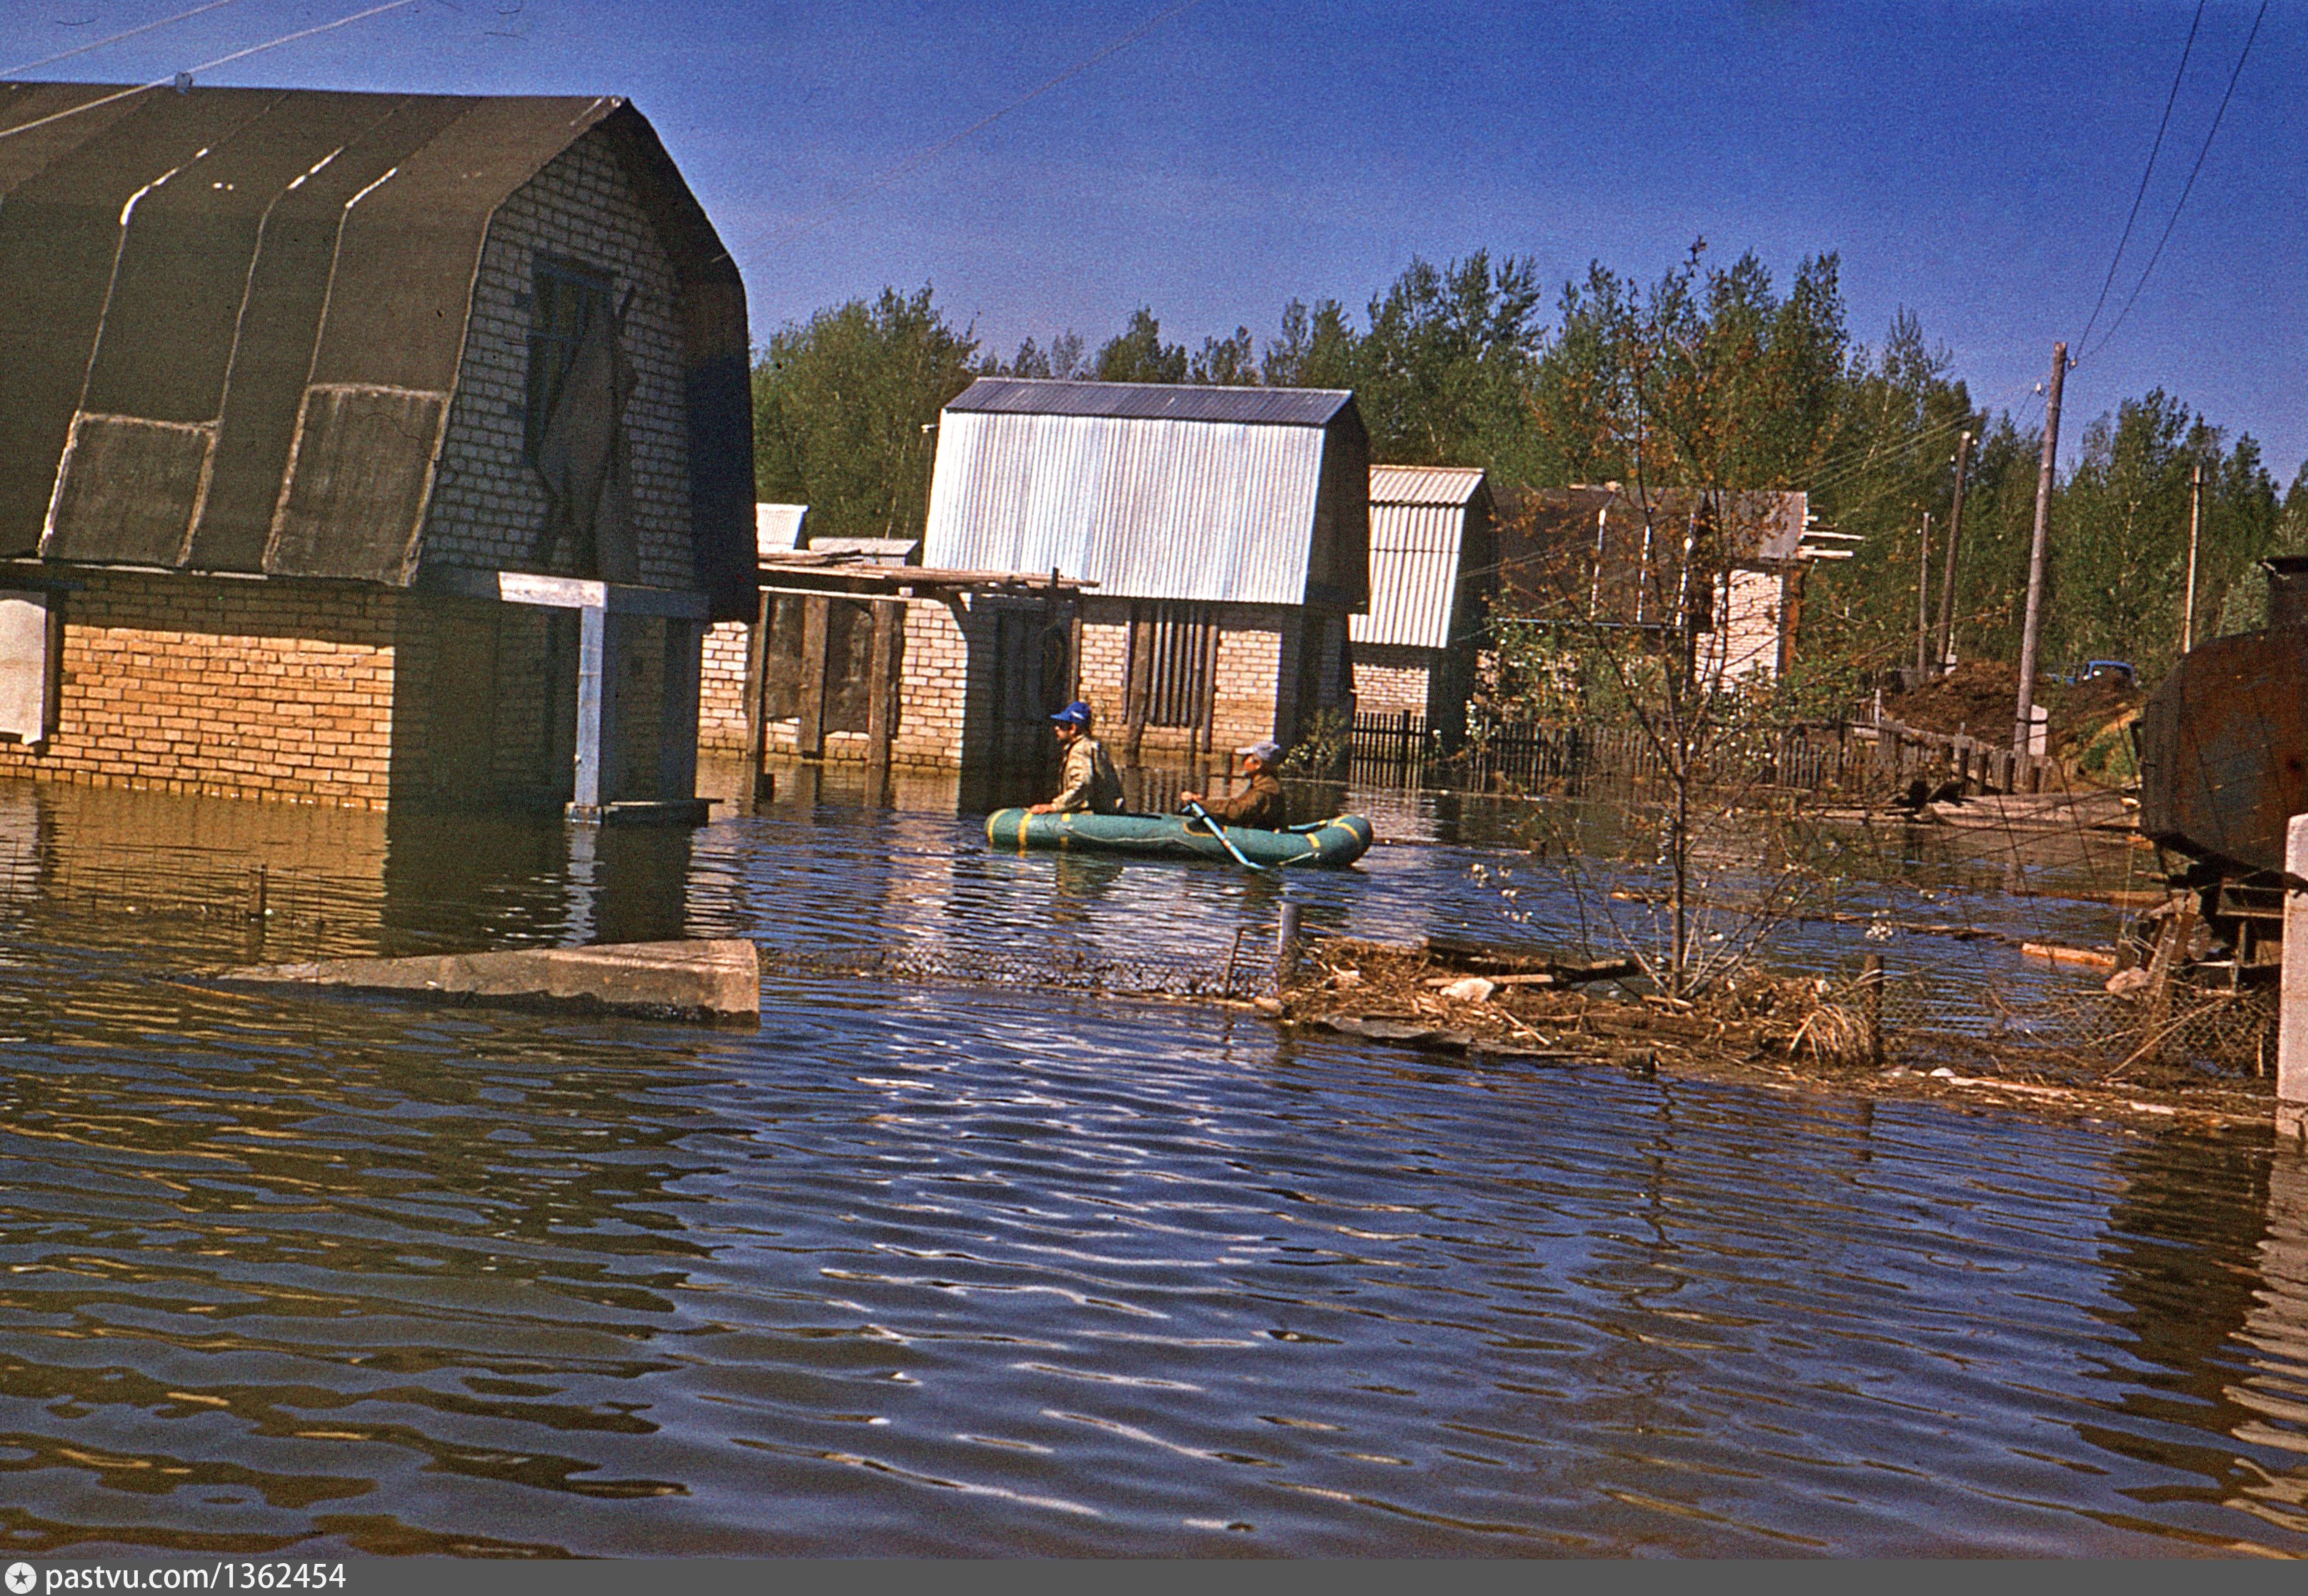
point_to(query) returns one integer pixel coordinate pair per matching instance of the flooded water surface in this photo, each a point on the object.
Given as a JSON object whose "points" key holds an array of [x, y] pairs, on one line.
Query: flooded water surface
{"points": [[1003, 1269]]}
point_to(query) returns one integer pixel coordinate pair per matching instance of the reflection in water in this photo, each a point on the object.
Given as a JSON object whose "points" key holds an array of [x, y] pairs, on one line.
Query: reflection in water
{"points": [[978, 1270]]}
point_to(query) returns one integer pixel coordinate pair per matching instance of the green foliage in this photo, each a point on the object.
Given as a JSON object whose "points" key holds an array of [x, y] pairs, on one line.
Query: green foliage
{"points": [[1322, 748], [839, 403], [1709, 379], [2116, 566]]}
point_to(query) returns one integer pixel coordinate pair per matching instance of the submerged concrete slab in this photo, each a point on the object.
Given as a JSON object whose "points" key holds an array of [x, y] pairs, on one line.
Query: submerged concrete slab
{"points": [[718, 983]]}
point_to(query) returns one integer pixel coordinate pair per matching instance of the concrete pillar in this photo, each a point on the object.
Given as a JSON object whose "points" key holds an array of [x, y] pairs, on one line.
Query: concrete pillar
{"points": [[2292, 1009], [676, 739], [600, 639]]}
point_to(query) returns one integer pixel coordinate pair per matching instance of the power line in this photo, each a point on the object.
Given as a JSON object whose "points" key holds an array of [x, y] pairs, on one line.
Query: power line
{"points": [[2213, 131], [2146, 172], [914, 163], [82, 50], [254, 49]]}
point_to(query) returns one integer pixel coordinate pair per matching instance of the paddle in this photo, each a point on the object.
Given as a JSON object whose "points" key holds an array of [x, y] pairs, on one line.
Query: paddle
{"points": [[1225, 841]]}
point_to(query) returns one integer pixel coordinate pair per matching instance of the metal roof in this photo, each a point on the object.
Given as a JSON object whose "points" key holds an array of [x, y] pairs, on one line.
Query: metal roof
{"points": [[1424, 485], [1155, 506], [1153, 402], [1420, 536], [232, 321], [777, 528]]}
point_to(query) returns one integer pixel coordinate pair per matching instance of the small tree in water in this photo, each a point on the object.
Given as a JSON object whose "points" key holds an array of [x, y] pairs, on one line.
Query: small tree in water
{"points": [[1700, 401]]}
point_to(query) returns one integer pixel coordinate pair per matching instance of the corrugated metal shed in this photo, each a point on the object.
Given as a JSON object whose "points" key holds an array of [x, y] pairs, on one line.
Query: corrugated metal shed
{"points": [[1154, 402], [1190, 501], [231, 321], [1419, 540]]}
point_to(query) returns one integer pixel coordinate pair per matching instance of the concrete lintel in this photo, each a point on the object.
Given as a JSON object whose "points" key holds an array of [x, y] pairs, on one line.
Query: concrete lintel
{"points": [[717, 982], [567, 593]]}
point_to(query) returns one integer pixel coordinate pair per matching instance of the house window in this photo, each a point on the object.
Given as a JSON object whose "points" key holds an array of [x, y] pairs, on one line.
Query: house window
{"points": [[568, 298], [31, 660], [1176, 647]]}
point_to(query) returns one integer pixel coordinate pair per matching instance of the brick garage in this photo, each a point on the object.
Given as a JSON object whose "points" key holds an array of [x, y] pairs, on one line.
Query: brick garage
{"points": [[377, 425]]}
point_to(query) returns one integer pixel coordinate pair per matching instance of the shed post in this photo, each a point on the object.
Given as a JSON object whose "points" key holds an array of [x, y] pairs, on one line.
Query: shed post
{"points": [[757, 672], [2292, 1009], [600, 639], [880, 700], [809, 732], [1286, 944], [1141, 689], [677, 738]]}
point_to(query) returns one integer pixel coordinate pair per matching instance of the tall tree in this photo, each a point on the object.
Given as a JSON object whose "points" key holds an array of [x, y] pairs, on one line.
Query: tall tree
{"points": [[1137, 354], [840, 403]]}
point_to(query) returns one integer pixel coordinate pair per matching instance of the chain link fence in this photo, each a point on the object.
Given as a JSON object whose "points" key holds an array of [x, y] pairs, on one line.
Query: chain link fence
{"points": [[1242, 968]]}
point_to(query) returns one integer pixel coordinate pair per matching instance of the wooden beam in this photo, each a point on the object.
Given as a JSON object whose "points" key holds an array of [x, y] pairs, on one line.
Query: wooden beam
{"points": [[1141, 685], [880, 699], [757, 675], [809, 735]]}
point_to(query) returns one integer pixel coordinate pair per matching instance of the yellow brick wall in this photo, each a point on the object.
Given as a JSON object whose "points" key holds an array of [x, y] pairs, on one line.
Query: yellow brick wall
{"points": [[272, 690]]}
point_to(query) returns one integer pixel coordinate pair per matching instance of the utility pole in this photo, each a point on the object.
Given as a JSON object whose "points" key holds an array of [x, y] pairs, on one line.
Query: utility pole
{"points": [[2023, 723], [1955, 530], [1923, 602], [2195, 525]]}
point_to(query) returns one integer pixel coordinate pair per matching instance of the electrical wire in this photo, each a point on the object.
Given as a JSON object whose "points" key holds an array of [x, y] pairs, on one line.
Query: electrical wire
{"points": [[254, 49], [2212, 133], [2153, 150], [82, 50], [913, 163]]}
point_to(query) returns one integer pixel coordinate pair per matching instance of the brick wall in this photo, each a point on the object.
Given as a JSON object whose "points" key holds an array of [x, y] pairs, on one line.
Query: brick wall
{"points": [[1251, 674], [1390, 677], [952, 677], [936, 695], [721, 687], [276, 689], [488, 508]]}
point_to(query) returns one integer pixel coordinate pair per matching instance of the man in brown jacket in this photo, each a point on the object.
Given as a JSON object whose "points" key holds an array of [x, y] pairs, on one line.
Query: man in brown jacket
{"points": [[1260, 805]]}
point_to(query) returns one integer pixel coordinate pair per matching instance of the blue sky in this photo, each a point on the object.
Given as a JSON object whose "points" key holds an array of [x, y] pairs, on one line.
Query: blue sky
{"points": [[1972, 161]]}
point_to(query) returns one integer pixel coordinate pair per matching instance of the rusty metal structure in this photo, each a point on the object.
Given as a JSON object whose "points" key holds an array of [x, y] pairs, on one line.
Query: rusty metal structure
{"points": [[2223, 744]]}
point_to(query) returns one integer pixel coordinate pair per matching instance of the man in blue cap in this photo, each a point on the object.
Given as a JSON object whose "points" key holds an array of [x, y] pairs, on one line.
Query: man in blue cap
{"points": [[1091, 785]]}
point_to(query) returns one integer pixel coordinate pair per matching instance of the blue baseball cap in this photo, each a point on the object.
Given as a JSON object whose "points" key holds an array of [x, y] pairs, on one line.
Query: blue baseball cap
{"points": [[1076, 714]]}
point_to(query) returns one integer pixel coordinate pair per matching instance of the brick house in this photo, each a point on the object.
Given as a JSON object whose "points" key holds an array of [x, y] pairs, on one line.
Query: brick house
{"points": [[362, 449], [1602, 557], [1220, 535], [1431, 572]]}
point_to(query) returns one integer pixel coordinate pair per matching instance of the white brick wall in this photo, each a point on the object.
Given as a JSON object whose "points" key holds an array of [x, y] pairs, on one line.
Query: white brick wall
{"points": [[488, 505]]}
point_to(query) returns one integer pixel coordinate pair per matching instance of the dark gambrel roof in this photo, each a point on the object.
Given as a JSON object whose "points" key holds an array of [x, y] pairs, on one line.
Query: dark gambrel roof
{"points": [[1154, 402], [231, 321]]}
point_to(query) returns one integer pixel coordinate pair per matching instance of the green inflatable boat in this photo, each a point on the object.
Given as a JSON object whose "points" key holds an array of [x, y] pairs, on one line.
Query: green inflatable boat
{"points": [[1340, 841]]}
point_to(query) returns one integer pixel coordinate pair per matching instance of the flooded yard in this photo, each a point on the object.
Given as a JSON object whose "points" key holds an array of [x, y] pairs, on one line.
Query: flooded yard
{"points": [[1006, 1269]]}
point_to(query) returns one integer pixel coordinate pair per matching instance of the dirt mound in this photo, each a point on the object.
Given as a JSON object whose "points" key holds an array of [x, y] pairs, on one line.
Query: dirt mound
{"points": [[1979, 698]]}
